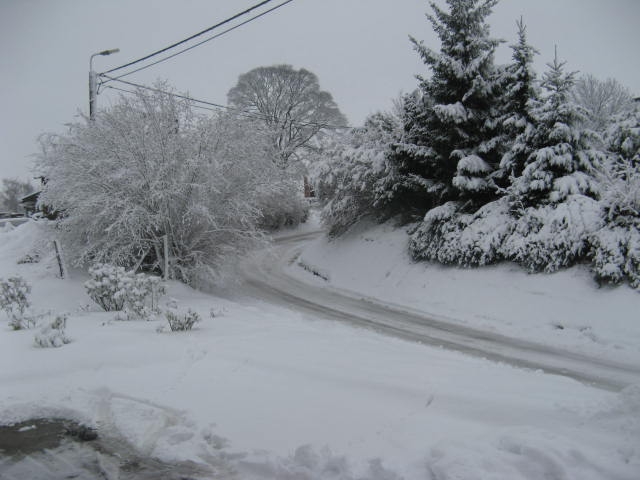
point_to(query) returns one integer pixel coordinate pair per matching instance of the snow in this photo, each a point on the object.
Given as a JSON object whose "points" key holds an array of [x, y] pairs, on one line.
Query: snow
{"points": [[455, 112], [297, 397], [473, 164], [565, 309]]}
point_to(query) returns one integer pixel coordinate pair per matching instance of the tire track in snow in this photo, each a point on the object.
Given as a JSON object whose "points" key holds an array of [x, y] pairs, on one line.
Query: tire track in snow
{"points": [[266, 280]]}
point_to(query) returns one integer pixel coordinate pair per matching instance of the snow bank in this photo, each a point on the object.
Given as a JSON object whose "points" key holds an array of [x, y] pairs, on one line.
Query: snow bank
{"points": [[28, 251], [564, 309]]}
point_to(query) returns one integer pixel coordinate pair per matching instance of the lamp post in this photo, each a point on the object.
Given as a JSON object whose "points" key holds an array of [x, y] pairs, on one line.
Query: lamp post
{"points": [[93, 82]]}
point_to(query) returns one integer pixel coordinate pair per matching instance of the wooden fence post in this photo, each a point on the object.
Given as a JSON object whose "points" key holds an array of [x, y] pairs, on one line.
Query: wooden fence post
{"points": [[165, 243], [63, 271]]}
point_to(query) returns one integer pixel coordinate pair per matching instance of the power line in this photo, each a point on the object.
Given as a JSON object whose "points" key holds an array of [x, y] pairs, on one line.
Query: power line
{"points": [[211, 109], [203, 41], [185, 97], [215, 105], [192, 36]]}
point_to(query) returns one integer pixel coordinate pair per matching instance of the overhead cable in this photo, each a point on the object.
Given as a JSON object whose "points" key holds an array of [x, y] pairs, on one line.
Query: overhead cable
{"points": [[132, 92], [185, 97], [201, 42], [216, 105], [237, 15]]}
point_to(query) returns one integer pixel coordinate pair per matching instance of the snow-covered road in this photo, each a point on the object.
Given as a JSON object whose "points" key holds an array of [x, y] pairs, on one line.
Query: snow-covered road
{"points": [[267, 280]]}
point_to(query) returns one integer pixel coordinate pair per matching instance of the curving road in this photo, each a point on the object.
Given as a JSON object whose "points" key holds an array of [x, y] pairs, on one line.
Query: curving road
{"points": [[265, 279]]}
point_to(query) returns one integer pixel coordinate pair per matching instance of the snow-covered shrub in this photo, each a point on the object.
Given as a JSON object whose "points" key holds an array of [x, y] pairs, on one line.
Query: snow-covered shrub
{"points": [[108, 286], [149, 166], [285, 207], [544, 238], [451, 237], [53, 335], [616, 247], [351, 175], [551, 237], [616, 254], [115, 289], [143, 296], [181, 321], [441, 225], [29, 258], [14, 300]]}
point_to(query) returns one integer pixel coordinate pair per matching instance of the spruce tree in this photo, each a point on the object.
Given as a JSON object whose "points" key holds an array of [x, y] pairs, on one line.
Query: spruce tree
{"points": [[521, 92], [451, 142], [420, 181], [561, 162]]}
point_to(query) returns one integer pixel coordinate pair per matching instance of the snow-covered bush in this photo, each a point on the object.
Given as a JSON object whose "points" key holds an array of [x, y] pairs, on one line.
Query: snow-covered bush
{"points": [[616, 254], [545, 238], [351, 176], [616, 247], [53, 335], [550, 237], [181, 321], [143, 296], [29, 258], [108, 286], [115, 289], [440, 226], [273, 191], [450, 237], [282, 207], [149, 167], [14, 300]]}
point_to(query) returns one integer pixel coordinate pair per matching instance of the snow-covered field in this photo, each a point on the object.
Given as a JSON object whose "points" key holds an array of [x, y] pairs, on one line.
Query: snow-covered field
{"points": [[261, 392]]}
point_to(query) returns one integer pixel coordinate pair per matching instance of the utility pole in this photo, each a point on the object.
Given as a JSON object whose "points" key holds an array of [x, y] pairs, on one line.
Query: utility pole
{"points": [[93, 83]]}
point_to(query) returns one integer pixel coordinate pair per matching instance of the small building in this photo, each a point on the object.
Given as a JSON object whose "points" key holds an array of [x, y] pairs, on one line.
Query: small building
{"points": [[30, 205]]}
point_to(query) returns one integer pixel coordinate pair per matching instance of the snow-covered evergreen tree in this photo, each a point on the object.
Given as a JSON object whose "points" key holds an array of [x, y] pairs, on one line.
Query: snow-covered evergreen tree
{"points": [[561, 162], [623, 140], [520, 92], [451, 140], [616, 247], [419, 183]]}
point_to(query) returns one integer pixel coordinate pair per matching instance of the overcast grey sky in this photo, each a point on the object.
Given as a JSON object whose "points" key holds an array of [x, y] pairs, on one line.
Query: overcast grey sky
{"points": [[358, 48]]}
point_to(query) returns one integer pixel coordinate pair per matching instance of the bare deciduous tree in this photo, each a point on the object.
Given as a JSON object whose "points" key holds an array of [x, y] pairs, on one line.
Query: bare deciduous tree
{"points": [[13, 190], [603, 99], [290, 103]]}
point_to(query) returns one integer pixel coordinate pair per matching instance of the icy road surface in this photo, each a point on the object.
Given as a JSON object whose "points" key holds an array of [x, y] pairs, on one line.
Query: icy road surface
{"points": [[266, 279]]}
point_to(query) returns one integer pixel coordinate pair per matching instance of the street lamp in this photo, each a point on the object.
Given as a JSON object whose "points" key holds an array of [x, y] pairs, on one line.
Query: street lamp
{"points": [[93, 82]]}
